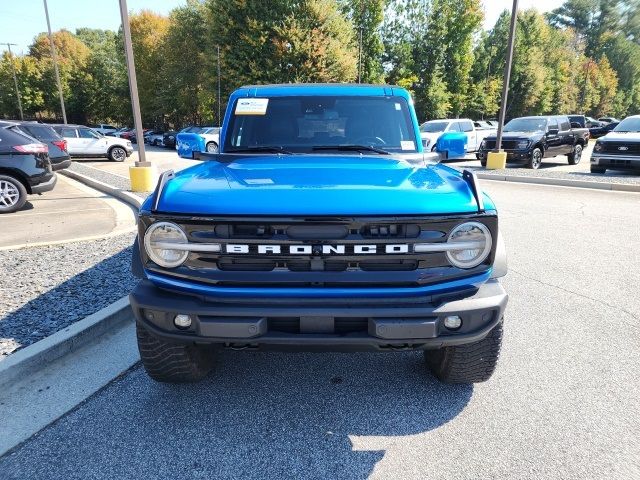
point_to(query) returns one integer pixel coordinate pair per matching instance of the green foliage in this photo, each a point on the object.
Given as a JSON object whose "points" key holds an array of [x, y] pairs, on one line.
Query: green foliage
{"points": [[366, 17]]}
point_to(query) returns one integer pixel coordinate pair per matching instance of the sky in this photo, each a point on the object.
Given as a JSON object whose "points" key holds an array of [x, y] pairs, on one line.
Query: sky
{"points": [[22, 20]]}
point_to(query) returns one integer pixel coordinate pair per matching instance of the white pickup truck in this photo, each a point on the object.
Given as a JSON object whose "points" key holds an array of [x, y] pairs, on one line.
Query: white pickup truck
{"points": [[430, 132]]}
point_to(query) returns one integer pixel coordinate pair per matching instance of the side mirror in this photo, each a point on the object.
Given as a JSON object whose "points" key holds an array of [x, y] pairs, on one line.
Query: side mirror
{"points": [[575, 125], [452, 145], [553, 131]]}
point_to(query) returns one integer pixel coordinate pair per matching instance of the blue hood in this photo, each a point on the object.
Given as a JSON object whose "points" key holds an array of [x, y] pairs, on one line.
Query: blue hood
{"points": [[317, 185]]}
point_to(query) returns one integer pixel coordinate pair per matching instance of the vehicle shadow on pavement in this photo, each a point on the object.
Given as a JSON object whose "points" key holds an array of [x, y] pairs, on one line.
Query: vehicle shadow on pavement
{"points": [[259, 415]]}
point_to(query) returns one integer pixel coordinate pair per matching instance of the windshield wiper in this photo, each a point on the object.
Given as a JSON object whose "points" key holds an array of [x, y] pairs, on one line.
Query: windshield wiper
{"points": [[262, 148], [351, 148]]}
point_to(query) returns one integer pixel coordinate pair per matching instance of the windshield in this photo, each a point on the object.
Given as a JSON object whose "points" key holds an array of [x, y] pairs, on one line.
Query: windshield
{"points": [[526, 125], [311, 124], [434, 126], [628, 125]]}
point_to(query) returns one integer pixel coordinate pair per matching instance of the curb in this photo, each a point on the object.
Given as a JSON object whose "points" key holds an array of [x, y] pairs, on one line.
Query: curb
{"points": [[123, 195], [561, 182], [33, 357]]}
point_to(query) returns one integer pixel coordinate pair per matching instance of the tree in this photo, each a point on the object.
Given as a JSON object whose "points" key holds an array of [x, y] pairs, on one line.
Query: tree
{"points": [[148, 34], [282, 41], [366, 17], [189, 84], [72, 57]]}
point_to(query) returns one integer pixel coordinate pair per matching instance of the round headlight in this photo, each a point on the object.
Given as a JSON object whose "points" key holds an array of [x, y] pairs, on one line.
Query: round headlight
{"points": [[158, 240], [523, 144], [475, 242], [597, 147]]}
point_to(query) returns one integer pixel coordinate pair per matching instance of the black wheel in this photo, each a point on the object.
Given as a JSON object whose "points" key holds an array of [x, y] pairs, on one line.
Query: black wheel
{"points": [[470, 363], [172, 362], [117, 154], [13, 194], [576, 155], [212, 147], [535, 159], [595, 169]]}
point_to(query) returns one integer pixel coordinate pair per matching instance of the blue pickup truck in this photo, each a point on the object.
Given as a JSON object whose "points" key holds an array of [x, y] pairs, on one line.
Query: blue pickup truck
{"points": [[320, 224]]}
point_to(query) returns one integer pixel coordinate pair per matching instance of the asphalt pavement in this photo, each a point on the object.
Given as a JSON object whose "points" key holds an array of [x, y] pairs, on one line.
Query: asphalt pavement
{"points": [[563, 403], [70, 212]]}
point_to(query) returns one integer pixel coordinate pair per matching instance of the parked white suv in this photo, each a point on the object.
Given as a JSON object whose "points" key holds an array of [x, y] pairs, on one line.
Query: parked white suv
{"points": [[104, 128], [86, 142]]}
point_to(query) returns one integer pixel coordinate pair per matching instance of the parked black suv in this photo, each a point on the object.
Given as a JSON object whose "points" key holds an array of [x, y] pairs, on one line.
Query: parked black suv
{"points": [[25, 168], [528, 140], [58, 154]]}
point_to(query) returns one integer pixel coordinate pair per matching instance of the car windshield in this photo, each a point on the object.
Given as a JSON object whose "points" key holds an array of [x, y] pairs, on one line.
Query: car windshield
{"points": [[314, 124], [434, 126], [526, 125], [210, 130], [631, 124]]}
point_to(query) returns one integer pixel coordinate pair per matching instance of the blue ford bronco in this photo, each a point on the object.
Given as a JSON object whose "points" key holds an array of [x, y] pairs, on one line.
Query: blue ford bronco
{"points": [[319, 225]]}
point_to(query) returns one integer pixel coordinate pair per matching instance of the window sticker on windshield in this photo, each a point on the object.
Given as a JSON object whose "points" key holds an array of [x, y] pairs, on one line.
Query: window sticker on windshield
{"points": [[252, 106], [398, 106], [407, 145]]}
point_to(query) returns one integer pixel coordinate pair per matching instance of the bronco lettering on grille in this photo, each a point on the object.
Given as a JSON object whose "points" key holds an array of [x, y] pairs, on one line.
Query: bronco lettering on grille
{"points": [[316, 249]]}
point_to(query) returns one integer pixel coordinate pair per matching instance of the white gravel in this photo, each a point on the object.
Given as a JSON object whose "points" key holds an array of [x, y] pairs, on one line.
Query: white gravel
{"points": [[45, 289]]}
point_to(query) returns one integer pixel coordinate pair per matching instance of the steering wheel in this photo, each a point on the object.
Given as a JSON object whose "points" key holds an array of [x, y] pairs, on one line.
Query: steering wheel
{"points": [[370, 141]]}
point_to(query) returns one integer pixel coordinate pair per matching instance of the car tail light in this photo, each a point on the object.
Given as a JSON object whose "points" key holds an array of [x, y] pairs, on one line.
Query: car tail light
{"points": [[61, 144], [32, 148]]}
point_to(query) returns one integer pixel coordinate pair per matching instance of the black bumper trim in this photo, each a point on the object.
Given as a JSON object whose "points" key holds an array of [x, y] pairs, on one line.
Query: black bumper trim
{"points": [[155, 308], [45, 186]]}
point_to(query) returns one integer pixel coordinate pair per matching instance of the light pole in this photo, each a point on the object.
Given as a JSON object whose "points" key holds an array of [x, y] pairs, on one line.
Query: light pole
{"points": [[141, 174], [54, 56], [219, 96], [498, 158], [15, 79], [360, 28]]}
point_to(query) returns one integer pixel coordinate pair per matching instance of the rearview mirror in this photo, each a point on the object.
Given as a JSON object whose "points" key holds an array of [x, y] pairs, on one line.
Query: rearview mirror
{"points": [[575, 125], [553, 131]]}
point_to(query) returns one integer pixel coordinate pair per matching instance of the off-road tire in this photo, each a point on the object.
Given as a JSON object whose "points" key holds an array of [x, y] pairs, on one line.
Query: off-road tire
{"points": [[172, 362], [595, 169], [117, 154], [535, 159], [470, 363], [11, 187], [575, 156]]}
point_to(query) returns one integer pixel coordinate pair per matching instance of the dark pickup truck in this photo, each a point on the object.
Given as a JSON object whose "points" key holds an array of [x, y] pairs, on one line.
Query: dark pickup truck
{"points": [[527, 140]]}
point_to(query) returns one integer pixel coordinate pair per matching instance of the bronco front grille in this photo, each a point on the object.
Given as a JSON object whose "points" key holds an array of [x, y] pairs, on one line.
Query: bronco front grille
{"points": [[328, 254]]}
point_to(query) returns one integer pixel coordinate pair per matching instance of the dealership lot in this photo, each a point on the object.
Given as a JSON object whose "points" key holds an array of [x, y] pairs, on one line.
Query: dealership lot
{"points": [[70, 212], [562, 404]]}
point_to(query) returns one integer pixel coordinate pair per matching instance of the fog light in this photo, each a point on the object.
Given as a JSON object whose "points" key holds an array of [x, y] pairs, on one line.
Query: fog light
{"points": [[182, 321], [452, 322]]}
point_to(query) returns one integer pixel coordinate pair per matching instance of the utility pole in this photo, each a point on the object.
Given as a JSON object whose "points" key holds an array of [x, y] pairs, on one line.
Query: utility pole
{"points": [[15, 79], [219, 96], [141, 175], [498, 155], [360, 54], [54, 56]]}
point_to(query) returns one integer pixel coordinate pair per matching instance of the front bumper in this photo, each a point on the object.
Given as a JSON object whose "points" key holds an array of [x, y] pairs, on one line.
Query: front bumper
{"points": [[306, 324], [513, 156], [625, 162], [45, 186]]}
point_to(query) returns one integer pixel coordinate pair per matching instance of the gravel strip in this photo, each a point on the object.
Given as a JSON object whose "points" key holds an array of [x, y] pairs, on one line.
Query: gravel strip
{"points": [[109, 178], [45, 289]]}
